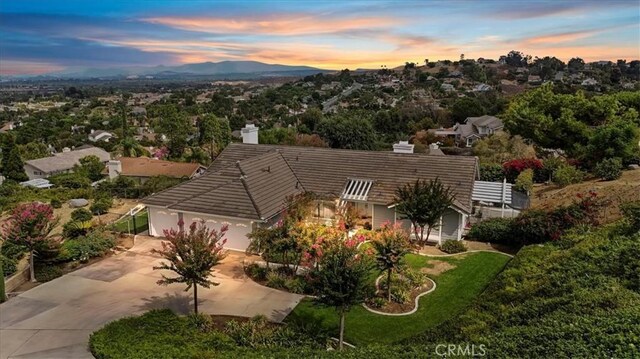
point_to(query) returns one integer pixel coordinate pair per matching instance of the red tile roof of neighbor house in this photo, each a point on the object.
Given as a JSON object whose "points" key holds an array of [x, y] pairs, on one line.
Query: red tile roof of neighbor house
{"points": [[148, 167], [252, 181]]}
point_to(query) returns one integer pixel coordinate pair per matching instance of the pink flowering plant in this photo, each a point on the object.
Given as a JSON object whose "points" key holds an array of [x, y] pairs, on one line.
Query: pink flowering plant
{"points": [[391, 246], [192, 254], [30, 224]]}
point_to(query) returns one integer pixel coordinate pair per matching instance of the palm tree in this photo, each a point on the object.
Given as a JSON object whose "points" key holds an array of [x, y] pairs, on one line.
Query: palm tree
{"points": [[129, 147]]}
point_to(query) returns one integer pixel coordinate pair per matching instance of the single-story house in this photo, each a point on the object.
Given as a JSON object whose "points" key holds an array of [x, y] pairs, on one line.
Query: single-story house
{"points": [[100, 135], [143, 168], [246, 187], [62, 162]]}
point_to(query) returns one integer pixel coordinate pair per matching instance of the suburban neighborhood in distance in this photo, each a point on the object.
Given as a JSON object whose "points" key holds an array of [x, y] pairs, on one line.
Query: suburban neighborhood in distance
{"points": [[358, 179]]}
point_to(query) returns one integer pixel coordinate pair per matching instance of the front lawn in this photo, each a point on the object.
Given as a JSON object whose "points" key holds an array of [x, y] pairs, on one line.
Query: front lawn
{"points": [[456, 289]]}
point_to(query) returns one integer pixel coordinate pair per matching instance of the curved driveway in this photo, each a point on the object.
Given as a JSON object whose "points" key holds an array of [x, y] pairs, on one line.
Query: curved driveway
{"points": [[55, 319]]}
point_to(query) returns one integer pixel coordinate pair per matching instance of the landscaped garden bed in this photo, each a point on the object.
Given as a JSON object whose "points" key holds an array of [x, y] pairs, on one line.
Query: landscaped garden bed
{"points": [[405, 289]]}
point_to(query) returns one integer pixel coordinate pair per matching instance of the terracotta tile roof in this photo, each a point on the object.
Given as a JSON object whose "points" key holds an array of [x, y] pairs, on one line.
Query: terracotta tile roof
{"points": [[147, 167], [246, 175]]}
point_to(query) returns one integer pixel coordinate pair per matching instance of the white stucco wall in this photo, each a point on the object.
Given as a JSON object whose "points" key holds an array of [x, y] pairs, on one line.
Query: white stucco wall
{"points": [[162, 218], [236, 234]]}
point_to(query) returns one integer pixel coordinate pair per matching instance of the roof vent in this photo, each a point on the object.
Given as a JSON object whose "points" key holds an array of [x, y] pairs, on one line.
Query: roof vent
{"points": [[403, 147]]}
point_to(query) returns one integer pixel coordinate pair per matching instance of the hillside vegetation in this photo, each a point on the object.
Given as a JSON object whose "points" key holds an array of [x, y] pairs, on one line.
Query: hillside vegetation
{"points": [[611, 193]]}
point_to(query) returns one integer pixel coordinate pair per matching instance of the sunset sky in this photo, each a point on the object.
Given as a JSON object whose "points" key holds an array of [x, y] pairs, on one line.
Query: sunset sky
{"points": [[44, 36]]}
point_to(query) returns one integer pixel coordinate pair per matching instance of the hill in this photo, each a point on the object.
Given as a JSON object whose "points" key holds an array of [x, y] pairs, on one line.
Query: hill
{"points": [[613, 193], [226, 69]]}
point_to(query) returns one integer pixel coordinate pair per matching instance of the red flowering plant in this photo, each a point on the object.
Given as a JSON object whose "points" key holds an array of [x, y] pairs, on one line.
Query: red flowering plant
{"points": [[30, 224], [514, 167], [192, 255]]}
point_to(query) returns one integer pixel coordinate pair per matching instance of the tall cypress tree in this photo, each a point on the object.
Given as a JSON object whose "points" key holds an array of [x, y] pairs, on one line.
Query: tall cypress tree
{"points": [[12, 165]]}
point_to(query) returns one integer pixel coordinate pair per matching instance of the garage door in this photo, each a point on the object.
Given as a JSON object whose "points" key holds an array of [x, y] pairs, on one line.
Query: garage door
{"points": [[161, 219], [236, 235]]}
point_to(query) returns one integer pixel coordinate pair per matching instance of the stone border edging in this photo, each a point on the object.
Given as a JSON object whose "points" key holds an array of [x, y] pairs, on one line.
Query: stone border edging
{"points": [[415, 307]]}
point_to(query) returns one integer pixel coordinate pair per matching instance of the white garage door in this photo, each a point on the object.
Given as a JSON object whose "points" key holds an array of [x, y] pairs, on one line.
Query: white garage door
{"points": [[236, 235], [161, 219]]}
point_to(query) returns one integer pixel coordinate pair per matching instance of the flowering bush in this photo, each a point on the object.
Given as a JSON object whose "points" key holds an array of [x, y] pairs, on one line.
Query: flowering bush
{"points": [[514, 167], [30, 224]]}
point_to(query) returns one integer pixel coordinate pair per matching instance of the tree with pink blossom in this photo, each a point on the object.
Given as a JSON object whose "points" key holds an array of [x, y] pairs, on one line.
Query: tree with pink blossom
{"points": [[342, 276], [192, 255], [30, 224]]}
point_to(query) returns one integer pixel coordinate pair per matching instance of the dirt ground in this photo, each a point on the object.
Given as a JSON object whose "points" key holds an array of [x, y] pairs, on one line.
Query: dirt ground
{"points": [[120, 207], [613, 193], [437, 267]]}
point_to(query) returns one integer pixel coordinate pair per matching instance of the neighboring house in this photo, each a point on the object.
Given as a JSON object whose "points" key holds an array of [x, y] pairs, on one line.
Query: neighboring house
{"points": [[534, 80], [62, 162], [143, 168], [100, 135], [471, 130], [8, 127], [247, 186], [447, 87], [482, 88]]}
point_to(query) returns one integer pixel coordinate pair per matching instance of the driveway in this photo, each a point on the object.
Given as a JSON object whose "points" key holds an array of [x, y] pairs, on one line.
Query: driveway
{"points": [[55, 319]]}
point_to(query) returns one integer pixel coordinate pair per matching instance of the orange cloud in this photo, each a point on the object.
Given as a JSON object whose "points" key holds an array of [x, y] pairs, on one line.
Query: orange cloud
{"points": [[281, 25]]}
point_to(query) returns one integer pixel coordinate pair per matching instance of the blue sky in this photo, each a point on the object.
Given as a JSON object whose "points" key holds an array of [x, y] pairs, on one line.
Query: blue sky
{"points": [[45, 36]]}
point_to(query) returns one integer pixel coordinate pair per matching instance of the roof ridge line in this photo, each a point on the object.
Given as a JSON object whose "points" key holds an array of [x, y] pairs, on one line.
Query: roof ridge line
{"points": [[291, 169], [246, 189]]}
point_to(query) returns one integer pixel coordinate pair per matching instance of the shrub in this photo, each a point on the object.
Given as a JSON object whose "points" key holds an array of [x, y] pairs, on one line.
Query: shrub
{"points": [[566, 175], [452, 246], [75, 229], [491, 172], [95, 244], [56, 203], [549, 167], [70, 180], [295, 285], [101, 206], [256, 272], [9, 266], [524, 182], [414, 277], [257, 333], [377, 302], [275, 280], [494, 230], [47, 272], [514, 167], [81, 215], [631, 212], [609, 169]]}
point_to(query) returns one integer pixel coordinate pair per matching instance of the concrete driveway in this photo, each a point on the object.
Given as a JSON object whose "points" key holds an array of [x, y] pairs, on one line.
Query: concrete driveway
{"points": [[55, 319]]}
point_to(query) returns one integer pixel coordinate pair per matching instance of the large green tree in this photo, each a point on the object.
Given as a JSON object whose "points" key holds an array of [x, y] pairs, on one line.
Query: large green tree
{"points": [[214, 134], [176, 127], [348, 131], [12, 165], [466, 107]]}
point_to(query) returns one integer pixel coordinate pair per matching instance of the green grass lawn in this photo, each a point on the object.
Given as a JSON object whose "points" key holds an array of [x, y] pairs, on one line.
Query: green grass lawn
{"points": [[126, 224], [456, 289]]}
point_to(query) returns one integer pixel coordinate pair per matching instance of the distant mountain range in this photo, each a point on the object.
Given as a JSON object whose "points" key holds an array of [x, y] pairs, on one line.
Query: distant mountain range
{"points": [[223, 69]]}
